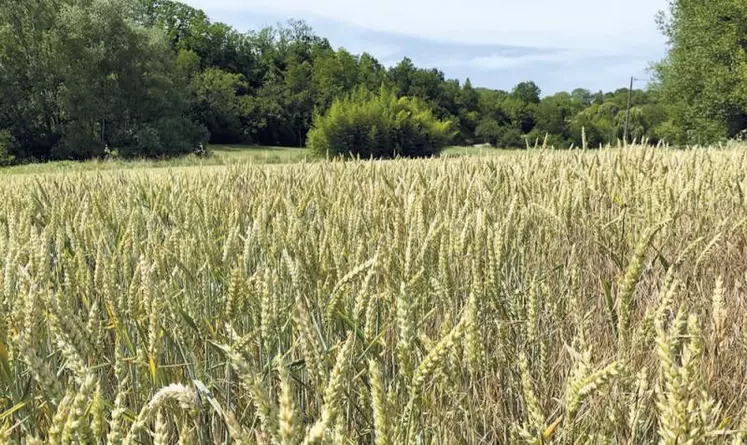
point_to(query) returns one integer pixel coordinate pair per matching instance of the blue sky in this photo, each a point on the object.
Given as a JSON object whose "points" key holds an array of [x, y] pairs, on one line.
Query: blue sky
{"points": [[561, 45]]}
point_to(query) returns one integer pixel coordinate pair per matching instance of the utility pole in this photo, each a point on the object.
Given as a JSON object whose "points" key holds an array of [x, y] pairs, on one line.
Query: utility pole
{"points": [[627, 111]]}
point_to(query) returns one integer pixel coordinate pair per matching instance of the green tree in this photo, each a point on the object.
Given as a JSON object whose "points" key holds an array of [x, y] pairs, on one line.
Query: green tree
{"points": [[601, 123], [80, 75], [499, 135], [371, 73], [582, 97], [300, 103], [704, 76], [120, 85], [335, 74], [379, 126], [150, 77], [29, 109], [527, 92], [217, 105], [401, 76], [187, 28], [470, 98], [553, 114], [468, 111], [521, 114]]}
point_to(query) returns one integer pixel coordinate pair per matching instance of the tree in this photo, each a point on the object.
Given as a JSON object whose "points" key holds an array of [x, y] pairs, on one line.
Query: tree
{"points": [[371, 73], [379, 126], [582, 97], [156, 77], [491, 105], [29, 112], [144, 111], [553, 114], [299, 82], [426, 85], [521, 114], [468, 111], [527, 92], [401, 76], [187, 28], [335, 74], [470, 98], [704, 76], [92, 76], [216, 105]]}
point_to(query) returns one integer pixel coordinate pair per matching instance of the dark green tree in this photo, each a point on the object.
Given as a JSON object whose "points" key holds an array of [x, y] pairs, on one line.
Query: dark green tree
{"points": [[703, 77], [379, 126], [92, 76], [527, 92]]}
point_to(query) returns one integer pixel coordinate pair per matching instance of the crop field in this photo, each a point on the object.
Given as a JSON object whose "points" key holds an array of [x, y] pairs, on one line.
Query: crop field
{"points": [[220, 156], [574, 297]]}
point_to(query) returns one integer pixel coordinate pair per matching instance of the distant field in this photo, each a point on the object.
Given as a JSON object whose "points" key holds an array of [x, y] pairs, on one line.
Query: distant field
{"points": [[266, 155], [220, 155], [285, 155]]}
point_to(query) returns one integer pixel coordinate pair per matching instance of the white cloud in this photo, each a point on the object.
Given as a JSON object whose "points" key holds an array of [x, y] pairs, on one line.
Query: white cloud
{"points": [[573, 24], [506, 61], [380, 50]]}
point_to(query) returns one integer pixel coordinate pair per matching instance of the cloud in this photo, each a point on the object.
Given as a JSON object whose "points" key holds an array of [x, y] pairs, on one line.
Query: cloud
{"points": [[497, 62], [382, 51], [572, 24], [546, 44]]}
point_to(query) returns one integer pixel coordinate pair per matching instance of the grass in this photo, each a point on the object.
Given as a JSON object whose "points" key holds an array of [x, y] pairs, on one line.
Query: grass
{"points": [[566, 297], [221, 155], [287, 155], [473, 151], [265, 155]]}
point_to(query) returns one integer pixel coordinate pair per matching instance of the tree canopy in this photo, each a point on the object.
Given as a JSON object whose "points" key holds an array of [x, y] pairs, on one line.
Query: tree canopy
{"points": [[704, 77], [77, 76], [158, 78], [379, 126]]}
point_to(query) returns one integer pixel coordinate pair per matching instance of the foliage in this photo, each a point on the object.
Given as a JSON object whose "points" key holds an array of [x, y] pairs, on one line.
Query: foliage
{"points": [[79, 76], [6, 148], [385, 303], [497, 135], [379, 126], [704, 76], [216, 105], [527, 92]]}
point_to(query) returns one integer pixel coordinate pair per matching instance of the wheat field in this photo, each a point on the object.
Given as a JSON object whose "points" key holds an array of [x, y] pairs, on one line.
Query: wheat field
{"points": [[538, 297]]}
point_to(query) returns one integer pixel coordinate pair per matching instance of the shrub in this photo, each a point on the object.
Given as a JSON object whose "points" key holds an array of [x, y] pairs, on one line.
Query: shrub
{"points": [[512, 138], [169, 136], [379, 126], [540, 138], [6, 142], [490, 131], [499, 135]]}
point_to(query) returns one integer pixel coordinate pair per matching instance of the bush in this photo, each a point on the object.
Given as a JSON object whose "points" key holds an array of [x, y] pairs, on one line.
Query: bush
{"points": [[165, 137], [512, 138], [6, 148], [499, 135], [379, 126], [489, 131], [541, 138]]}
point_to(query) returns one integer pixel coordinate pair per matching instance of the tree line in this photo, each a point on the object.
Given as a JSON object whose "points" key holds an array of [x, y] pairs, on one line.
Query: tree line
{"points": [[83, 78]]}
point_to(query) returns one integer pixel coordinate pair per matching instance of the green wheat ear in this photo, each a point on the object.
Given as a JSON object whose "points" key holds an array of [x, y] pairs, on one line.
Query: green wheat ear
{"points": [[452, 300]]}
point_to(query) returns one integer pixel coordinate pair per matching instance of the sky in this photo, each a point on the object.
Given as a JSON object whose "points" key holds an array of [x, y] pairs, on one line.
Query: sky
{"points": [[559, 44]]}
